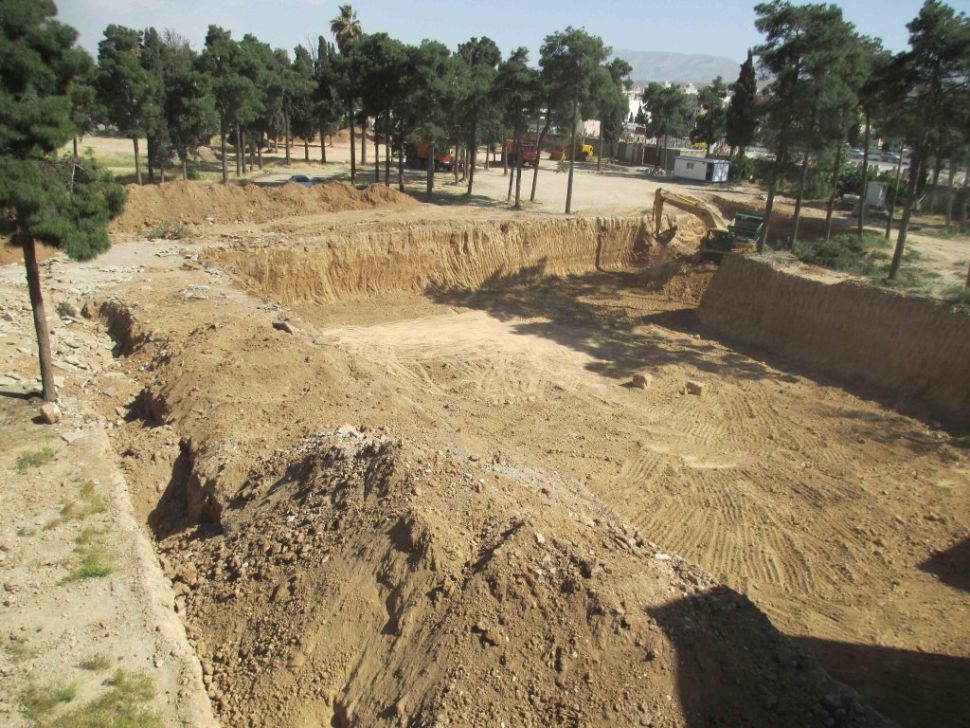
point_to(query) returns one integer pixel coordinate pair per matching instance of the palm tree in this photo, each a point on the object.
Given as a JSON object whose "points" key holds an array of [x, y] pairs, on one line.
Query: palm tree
{"points": [[346, 29]]}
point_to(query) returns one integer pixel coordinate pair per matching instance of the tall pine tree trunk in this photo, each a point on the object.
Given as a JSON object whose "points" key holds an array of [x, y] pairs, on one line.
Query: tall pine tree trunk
{"points": [[772, 189], [377, 158], [185, 164], [75, 149], [473, 159], [238, 152], [572, 160], [251, 143], [222, 144], [937, 168], [323, 145], [400, 166], [40, 318], [363, 140], [915, 169], [865, 178], [535, 170], [286, 134], [892, 205], [150, 149], [353, 144], [798, 200], [306, 149], [134, 141], [429, 181], [949, 192], [835, 182], [518, 172]]}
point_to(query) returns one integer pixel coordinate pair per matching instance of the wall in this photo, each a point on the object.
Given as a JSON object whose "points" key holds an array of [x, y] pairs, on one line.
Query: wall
{"points": [[912, 350]]}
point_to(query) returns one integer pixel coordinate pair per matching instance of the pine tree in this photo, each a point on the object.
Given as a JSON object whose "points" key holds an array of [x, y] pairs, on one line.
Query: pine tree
{"points": [[711, 122], [125, 87], [61, 202], [570, 62], [741, 120]]}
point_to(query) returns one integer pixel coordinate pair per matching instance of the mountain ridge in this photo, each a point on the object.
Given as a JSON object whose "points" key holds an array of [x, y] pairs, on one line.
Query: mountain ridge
{"points": [[698, 68]]}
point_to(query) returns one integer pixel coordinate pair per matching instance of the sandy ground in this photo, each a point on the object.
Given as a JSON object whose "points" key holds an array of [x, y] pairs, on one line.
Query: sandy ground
{"points": [[59, 632]]}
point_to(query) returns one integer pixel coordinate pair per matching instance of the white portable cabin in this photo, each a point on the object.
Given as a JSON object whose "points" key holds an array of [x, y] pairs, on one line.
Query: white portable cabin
{"points": [[876, 194], [701, 169]]}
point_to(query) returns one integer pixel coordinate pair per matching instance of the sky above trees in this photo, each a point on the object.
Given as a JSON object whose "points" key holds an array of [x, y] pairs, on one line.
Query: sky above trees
{"points": [[715, 27]]}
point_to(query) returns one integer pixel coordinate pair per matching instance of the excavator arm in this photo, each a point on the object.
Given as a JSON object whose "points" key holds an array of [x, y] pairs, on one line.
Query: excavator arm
{"points": [[691, 204]]}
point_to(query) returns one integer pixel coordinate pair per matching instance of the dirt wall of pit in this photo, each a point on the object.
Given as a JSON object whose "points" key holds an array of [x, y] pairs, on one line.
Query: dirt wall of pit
{"points": [[351, 263], [914, 349]]}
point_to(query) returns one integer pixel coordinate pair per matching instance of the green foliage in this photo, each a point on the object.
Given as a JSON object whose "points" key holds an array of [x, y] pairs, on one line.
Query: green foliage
{"points": [[742, 168], [64, 203], [37, 702], [89, 503], [711, 123], [959, 295], [126, 89], [845, 253], [122, 706], [667, 107], [170, 231], [95, 663], [96, 562], [741, 120], [34, 459]]}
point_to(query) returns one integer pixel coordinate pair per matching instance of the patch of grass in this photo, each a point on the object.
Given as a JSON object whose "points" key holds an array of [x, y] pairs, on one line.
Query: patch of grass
{"points": [[96, 563], [845, 252], [18, 650], [24, 531], [959, 295], [89, 504], [170, 231], [34, 459], [88, 536], [120, 707], [99, 661], [37, 701]]}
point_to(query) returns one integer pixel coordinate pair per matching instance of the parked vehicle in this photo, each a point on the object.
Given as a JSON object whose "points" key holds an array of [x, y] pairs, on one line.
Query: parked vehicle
{"points": [[301, 179], [888, 156], [530, 152], [416, 157]]}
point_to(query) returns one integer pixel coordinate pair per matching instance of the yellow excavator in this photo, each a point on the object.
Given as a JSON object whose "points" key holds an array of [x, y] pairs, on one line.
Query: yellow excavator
{"points": [[739, 237]]}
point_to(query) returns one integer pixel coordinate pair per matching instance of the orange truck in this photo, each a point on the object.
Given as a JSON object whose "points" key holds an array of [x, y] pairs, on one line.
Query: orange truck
{"points": [[530, 153], [416, 157]]}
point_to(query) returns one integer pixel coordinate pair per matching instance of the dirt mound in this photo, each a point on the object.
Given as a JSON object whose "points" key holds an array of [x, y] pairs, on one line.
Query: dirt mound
{"points": [[361, 581], [905, 346], [198, 203]]}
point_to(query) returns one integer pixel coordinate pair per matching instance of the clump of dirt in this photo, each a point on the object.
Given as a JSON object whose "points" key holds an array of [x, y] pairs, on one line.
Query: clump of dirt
{"points": [[363, 580], [197, 203]]}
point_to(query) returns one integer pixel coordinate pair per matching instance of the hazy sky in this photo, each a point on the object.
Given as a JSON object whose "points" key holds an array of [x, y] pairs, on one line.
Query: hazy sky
{"points": [[714, 27]]}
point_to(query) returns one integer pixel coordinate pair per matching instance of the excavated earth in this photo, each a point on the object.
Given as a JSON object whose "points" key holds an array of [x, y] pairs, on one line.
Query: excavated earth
{"points": [[398, 475]]}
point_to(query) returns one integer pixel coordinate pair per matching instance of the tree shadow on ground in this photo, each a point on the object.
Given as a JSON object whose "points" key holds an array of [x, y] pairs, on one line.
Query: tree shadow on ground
{"points": [[912, 688], [734, 668], [592, 314], [952, 567]]}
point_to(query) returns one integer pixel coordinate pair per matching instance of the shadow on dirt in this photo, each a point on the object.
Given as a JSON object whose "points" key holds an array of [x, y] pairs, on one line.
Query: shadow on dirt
{"points": [[773, 680], [952, 567], [911, 688], [599, 314]]}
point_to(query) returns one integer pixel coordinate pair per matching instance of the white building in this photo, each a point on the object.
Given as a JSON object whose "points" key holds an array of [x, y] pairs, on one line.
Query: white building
{"points": [[701, 169]]}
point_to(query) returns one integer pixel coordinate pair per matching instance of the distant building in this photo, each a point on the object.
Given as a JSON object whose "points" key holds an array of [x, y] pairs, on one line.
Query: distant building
{"points": [[701, 169]]}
